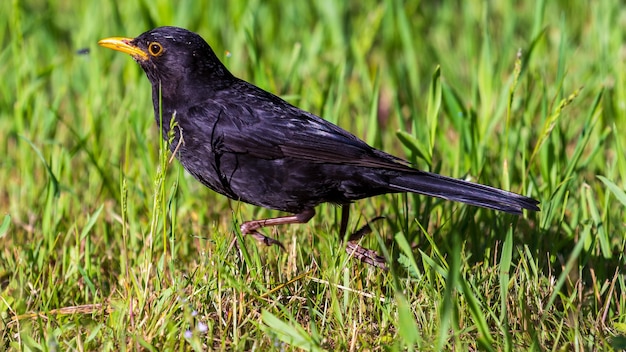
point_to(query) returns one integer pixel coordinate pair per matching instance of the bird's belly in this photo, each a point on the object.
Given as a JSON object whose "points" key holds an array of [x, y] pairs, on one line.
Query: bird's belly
{"points": [[293, 185], [285, 184]]}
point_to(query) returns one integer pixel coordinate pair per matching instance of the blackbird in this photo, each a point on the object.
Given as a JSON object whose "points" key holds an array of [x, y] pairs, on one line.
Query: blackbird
{"points": [[252, 146]]}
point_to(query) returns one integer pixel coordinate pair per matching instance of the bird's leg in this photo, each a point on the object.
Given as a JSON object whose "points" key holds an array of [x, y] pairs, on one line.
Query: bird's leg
{"points": [[251, 227], [353, 248]]}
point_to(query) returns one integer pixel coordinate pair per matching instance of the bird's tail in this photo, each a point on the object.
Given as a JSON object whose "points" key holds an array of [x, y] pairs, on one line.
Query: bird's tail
{"points": [[462, 191]]}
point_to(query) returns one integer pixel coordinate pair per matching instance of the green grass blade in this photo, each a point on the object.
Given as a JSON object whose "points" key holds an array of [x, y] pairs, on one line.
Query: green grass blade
{"points": [[290, 333], [4, 227], [432, 111], [504, 280], [619, 193]]}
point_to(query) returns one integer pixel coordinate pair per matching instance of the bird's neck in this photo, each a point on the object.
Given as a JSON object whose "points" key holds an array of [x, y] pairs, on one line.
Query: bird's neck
{"points": [[170, 96]]}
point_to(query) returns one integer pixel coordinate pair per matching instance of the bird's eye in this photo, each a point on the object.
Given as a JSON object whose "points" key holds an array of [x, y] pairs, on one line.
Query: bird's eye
{"points": [[155, 49]]}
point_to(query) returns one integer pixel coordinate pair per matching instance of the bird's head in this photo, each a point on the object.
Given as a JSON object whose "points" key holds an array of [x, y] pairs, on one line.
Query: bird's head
{"points": [[171, 56]]}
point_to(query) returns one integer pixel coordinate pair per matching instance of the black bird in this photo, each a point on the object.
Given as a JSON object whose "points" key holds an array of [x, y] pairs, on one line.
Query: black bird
{"points": [[252, 146]]}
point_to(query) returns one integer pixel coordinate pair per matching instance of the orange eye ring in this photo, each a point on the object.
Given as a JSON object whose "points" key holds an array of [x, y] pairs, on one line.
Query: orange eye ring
{"points": [[155, 49]]}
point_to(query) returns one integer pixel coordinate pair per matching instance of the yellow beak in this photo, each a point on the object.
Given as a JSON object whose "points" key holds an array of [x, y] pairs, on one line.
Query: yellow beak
{"points": [[123, 45]]}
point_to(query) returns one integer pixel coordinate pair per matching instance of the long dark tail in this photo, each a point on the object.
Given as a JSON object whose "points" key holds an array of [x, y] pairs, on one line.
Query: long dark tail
{"points": [[462, 191]]}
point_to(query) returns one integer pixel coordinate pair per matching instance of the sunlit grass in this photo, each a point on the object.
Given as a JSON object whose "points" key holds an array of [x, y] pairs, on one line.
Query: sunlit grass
{"points": [[106, 245]]}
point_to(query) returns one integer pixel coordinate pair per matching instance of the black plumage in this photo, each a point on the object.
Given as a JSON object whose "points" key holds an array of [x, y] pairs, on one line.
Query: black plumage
{"points": [[253, 146]]}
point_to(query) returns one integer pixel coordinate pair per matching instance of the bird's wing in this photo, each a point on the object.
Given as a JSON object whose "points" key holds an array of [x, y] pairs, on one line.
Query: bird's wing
{"points": [[273, 129]]}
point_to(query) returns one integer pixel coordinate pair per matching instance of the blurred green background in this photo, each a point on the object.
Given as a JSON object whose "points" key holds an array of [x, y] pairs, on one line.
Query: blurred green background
{"points": [[106, 246]]}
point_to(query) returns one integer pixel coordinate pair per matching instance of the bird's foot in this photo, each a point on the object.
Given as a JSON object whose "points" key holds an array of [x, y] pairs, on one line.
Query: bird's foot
{"points": [[365, 255], [251, 227], [268, 241]]}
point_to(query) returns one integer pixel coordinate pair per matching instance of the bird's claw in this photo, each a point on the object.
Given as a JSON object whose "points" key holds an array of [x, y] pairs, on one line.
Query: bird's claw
{"points": [[365, 255], [268, 241]]}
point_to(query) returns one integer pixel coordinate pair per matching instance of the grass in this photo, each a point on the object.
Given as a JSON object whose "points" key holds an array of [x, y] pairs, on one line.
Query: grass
{"points": [[106, 245]]}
